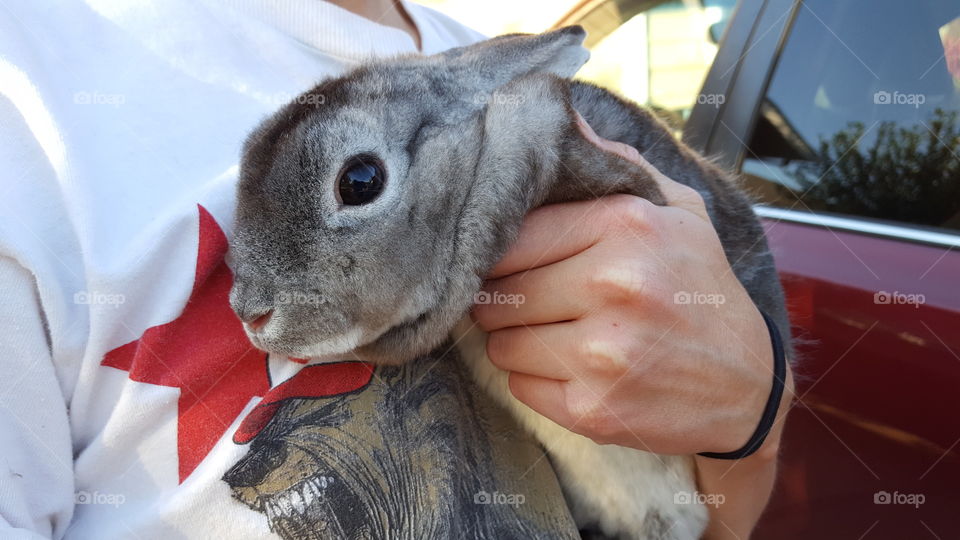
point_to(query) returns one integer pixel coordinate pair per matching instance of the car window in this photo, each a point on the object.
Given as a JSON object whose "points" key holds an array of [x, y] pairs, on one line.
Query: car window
{"points": [[656, 56], [861, 115]]}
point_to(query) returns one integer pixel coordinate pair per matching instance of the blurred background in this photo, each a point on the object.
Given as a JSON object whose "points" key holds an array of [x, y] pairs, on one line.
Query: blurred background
{"points": [[655, 56]]}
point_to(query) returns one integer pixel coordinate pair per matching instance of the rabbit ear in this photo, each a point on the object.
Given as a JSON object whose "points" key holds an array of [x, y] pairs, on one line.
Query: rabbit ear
{"points": [[533, 143], [495, 62]]}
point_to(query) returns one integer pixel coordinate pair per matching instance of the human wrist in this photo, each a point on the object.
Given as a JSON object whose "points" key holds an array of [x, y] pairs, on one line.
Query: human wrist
{"points": [[772, 405]]}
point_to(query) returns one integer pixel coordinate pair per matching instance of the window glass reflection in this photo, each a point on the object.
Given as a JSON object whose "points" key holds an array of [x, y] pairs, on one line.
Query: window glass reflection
{"points": [[861, 115]]}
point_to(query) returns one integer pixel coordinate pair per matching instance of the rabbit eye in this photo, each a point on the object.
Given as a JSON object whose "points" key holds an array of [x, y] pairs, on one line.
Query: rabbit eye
{"points": [[361, 180]]}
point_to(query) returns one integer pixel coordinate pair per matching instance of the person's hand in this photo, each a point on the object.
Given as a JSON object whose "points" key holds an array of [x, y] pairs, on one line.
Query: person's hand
{"points": [[624, 322]]}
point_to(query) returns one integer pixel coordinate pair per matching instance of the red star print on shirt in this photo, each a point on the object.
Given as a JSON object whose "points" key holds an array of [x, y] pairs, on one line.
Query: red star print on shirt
{"points": [[204, 352]]}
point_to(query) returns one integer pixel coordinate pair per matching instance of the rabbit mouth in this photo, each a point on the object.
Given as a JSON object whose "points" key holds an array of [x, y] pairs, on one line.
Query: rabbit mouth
{"points": [[333, 346], [278, 337]]}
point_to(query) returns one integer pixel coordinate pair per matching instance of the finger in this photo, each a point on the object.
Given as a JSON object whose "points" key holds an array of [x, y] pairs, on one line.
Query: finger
{"points": [[550, 234], [547, 294], [542, 351], [545, 396], [677, 194]]}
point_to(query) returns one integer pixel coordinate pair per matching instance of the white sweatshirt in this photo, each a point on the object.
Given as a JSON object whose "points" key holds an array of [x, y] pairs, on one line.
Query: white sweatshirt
{"points": [[131, 404]]}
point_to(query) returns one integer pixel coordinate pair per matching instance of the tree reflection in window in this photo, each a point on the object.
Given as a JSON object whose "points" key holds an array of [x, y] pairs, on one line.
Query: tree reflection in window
{"points": [[909, 174]]}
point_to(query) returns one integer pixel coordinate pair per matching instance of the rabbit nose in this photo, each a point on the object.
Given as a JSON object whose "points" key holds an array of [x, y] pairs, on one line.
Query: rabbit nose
{"points": [[252, 302], [257, 320]]}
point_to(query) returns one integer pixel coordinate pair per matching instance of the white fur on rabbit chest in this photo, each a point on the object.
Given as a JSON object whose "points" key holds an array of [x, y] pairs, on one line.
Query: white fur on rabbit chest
{"points": [[614, 487]]}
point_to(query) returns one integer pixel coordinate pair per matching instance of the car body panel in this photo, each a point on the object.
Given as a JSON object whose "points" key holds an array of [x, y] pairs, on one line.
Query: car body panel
{"points": [[877, 323]]}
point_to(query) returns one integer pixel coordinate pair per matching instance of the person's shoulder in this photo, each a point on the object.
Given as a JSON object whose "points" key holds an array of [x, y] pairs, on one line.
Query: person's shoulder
{"points": [[448, 28]]}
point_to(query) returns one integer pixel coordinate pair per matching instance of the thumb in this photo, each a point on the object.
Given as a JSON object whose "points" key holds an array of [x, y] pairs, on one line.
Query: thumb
{"points": [[677, 194]]}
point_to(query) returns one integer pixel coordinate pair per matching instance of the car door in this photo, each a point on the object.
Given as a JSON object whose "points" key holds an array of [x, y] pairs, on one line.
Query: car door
{"points": [[843, 119]]}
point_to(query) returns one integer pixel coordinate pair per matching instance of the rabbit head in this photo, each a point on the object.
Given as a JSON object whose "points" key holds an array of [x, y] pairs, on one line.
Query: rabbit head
{"points": [[370, 207]]}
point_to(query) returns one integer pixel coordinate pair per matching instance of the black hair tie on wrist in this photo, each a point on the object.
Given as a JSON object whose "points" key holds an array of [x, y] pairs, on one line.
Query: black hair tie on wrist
{"points": [[773, 403]]}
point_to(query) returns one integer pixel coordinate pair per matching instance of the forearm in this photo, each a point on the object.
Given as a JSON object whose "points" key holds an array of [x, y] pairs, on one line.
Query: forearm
{"points": [[741, 489]]}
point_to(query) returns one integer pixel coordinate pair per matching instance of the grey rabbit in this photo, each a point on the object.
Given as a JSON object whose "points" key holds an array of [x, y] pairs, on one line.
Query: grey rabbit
{"points": [[390, 192]]}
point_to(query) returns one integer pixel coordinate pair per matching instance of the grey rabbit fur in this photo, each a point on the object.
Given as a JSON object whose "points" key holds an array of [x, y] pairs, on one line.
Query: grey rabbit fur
{"points": [[469, 141]]}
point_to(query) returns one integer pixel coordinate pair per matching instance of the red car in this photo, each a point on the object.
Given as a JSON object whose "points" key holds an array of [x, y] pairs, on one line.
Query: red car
{"points": [[842, 116]]}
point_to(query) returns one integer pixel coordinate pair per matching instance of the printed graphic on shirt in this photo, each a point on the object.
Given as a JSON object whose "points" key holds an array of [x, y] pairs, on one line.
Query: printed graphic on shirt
{"points": [[405, 452], [344, 450]]}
